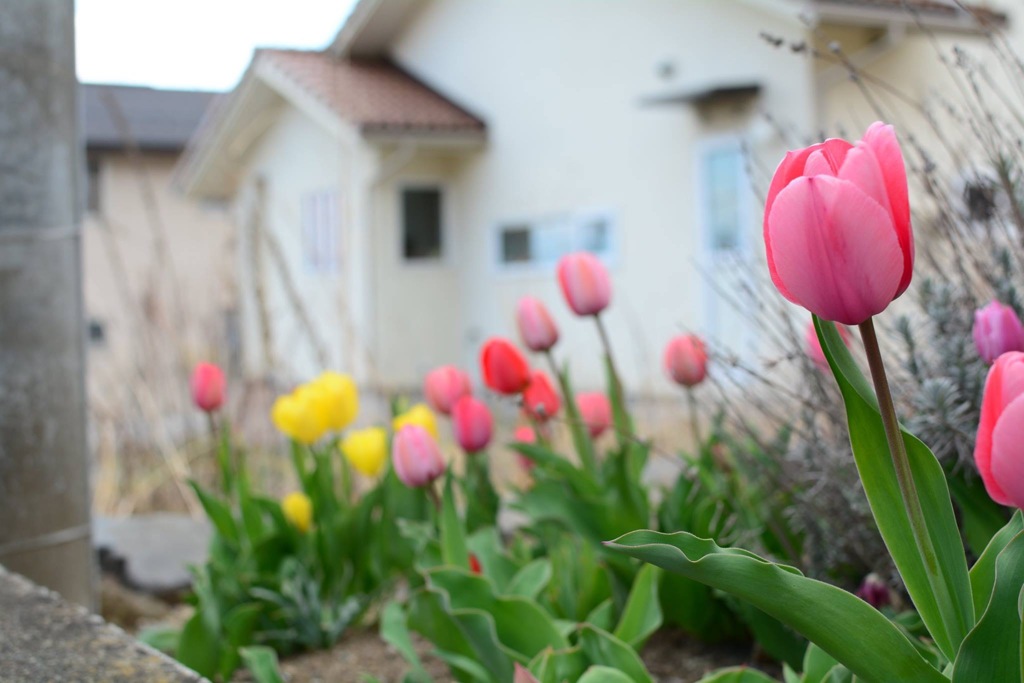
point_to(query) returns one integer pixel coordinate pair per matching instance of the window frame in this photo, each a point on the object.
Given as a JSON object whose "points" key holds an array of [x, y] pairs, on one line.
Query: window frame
{"points": [[576, 219], [310, 264], [445, 252]]}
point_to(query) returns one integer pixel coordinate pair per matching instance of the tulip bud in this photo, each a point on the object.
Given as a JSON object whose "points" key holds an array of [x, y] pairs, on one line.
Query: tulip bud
{"points": [[298, 510], [444, 386], [420, 415], [208, 387], [505, 370], [997, 329], [340, 397], [536, 326], [874, 591], [474, 564], [999, 449], [837, 227], [596, 412], [540, 400], [293, 418], [813, 344], [472, 424], [416, 457], [585, 283], [686, 360], [523, 675], [366, 449]]}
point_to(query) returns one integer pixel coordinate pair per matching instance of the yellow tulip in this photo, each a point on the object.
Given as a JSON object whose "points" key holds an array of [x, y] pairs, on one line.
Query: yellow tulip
{"points": [[366, 449], [343, 399], [315, 400], [420, 415], [293, 418], [298, 510]]}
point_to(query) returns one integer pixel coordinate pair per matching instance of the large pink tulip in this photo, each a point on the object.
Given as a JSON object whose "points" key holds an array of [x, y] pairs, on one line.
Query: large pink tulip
{"points": [[208, 386], [444, 386], [997, 329], [686, 360], [536, 326], [999, 450], [504, 367], [472, 424], [585, 283], [595, 411], [416, 457], [837, 226]]}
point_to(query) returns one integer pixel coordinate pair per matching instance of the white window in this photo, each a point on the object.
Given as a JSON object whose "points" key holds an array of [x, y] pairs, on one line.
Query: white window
{"points": [[321, 232], [542, 241], [422, 223], [726, 198]]}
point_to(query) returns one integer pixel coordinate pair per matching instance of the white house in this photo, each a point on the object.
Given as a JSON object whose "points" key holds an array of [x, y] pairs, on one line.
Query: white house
{"points": [[397, 193]]}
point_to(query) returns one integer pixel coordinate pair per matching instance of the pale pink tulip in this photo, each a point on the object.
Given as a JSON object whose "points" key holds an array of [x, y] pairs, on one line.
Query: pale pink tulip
{"points": [[595, 411], [536, 327], [997, 329], [416, 457], [837, 227], [585, 283], [686, 360], [444, 386]]}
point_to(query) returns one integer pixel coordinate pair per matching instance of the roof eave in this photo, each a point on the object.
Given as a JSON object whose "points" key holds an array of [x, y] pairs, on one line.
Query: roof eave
{"points": [[470, 139], [960, 22]]}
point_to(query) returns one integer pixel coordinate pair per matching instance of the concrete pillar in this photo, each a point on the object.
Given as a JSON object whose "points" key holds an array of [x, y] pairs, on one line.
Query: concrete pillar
{"points": [[44, 491]]}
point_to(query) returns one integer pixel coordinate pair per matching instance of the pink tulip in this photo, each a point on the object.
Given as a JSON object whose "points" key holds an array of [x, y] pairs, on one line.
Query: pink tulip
{"points": [[504, 367], [813, 344], [596, 412], [536, 326], [686, 360], [999, 449], [837, 227], [540, 400], [416, 456], [585, 283], [525, 434], [523, 675], [874, 591], [444, 386], [997, 329], [208, 387], [472, 424]]}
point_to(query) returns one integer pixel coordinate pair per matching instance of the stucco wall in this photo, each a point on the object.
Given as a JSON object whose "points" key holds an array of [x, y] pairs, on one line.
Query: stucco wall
{"points": [[561, 87]]}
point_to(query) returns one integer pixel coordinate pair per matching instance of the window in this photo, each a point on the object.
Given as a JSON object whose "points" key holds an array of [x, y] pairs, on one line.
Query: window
{"points": [[92, 184], [725, 191], [321, 243], [97, 332], [543, 241], [421, 223]]}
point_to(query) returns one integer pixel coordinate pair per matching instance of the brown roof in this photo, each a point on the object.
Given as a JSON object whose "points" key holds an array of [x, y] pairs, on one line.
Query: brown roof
{"points": [[946, 9], [374, 94]]}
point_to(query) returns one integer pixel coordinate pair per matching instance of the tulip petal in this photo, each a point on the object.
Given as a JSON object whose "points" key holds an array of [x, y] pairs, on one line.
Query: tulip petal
{"points": [[881, 138], [1008, 453], [834, 249], [991, 407]]}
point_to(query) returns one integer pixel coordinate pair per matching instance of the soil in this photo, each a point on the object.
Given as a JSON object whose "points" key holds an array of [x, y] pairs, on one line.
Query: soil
{"points": [[671, 656]]}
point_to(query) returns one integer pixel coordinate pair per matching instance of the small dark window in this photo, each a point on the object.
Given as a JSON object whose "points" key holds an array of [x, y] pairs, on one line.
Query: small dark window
{"points": [[92, 184], [97, 333], [980, 198], [515, 244], [421, 223]]}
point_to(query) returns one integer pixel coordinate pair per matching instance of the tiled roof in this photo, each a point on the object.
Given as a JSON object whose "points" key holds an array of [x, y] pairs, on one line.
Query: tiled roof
{"points": [[155, 119], [375, 95], [947, 9]]}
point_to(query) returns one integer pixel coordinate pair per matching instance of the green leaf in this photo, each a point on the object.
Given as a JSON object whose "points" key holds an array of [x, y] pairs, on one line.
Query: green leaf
{"points": [[556, 666], [199, 647], [620, 415], [775, 638], [948, 612], [261, 661], [453, 538], [162, 638], [531, 579], [604, 674], [218, 512], [393, 630], [983, 573], [992, 651], [840, 623], [582, 481], [239, 625], [580, 435], [603, 648], [737, 674], [642, 614], [982, 517], [602, 616], [817, 664]]}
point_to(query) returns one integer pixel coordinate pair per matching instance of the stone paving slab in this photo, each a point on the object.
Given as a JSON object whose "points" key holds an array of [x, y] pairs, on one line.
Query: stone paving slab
{"points": [[153, 551], [45, 639]]}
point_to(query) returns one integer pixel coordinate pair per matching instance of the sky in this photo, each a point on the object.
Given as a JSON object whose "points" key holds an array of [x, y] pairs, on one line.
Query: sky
{"points": [[193, 44]]}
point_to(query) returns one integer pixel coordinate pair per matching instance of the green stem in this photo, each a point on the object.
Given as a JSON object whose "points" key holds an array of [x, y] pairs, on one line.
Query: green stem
{"points": [[691, 401], [222, 454], [580, 436], [623, 426], [904, 475]]}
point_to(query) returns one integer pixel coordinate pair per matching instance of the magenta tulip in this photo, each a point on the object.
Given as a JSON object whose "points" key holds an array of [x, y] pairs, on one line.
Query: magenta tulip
{"points": [[536, 327], [874, 591], [472, 424], [540, 400], [444, 386], [585, 283], [999, 449], [997, 329], [595, 411], [686, 360], [416, 456], [837, 227], [504, 367], [208, 386]]}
